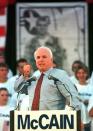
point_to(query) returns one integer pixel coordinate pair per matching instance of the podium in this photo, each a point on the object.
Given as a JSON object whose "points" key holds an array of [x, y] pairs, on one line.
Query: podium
{"points": [[45, 120]]}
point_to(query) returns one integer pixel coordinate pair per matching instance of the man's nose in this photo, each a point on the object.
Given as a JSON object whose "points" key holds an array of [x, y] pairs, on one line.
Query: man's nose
{"points": [[41, 59]]}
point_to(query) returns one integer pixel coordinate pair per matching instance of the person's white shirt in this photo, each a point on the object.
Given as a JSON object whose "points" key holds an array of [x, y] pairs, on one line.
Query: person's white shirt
{"points": [[5, 112], [85, 93], [36, 73], [13, 100], [4, 115], [9, 87], [25, 102], [90, 106], [10, 74], [74, 79], [91, 79], [16, 100], [12, 80]]}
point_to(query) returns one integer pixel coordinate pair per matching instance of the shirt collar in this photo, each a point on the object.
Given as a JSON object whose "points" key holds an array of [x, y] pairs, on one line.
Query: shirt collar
{"points": [[48, 71]]}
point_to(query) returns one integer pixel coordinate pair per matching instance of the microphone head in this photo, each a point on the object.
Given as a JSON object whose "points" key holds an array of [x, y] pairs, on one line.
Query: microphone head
{"points": [[34, 78], [50, 77], [31, 79]]}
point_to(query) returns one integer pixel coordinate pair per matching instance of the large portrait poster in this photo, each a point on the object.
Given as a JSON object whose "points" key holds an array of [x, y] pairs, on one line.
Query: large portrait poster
{"points": [[59, 26]]}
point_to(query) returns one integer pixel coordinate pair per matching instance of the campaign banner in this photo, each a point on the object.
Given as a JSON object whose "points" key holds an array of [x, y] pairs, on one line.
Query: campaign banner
{"points": [[51, 120]]}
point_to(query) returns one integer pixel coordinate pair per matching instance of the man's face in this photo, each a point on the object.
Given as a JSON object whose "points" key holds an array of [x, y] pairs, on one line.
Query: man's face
{"points": [[42, 28], [20, 67], [27, 70], [43, 60], [82, 75], [3, 72], [75, 66], [3, 97]]}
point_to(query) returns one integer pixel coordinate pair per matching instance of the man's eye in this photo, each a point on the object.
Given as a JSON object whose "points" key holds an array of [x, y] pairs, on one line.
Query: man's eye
{"points": [[38, 57], [44, 57], [4, 95]]}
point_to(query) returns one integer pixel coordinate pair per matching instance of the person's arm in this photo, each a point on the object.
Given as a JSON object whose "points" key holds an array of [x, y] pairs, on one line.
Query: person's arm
{"points": [[91, 112], [91, 79], [90, 106], [71, 96], [67, 88], [19, 83]]}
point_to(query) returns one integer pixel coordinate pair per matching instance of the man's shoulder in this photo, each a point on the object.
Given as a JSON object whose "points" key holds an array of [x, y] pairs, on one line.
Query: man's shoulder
{"points": [[13, 78], [7, 108], [58, 73], [36, 73]]}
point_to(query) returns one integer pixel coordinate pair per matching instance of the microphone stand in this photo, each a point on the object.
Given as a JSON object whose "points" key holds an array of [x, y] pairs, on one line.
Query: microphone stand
{"points": [[56, 83], [26, 84], [18, 102]]}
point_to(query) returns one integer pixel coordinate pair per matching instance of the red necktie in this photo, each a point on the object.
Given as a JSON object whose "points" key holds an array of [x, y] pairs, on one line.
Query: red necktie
{"points": [[35, 104]]}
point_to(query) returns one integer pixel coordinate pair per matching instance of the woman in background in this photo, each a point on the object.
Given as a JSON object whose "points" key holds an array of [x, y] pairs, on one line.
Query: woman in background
{"points": [[85, 91]]}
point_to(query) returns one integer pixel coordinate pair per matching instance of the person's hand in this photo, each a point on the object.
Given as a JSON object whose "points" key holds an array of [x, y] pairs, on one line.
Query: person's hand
{"points": [[86, 102], [82, 126], [26, 71], [91, 112]]}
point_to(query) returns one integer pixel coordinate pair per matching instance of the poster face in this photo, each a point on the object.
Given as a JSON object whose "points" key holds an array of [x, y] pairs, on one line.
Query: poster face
{"points": [[59, 26]]}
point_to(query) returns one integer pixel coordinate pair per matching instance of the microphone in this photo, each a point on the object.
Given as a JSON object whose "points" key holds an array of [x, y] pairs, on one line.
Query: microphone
{"points": [[22, 89], [31, 79], [26, 83], [50, 77]]}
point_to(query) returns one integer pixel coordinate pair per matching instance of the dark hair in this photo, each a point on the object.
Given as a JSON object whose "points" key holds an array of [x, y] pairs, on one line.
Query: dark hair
{"points": [[3, 89], [83, 67], [21, 60], [4, 65], [80, 63]]}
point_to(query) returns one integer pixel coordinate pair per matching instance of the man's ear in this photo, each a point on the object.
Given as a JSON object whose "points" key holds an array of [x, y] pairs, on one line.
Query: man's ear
{"points": [[52, 59]]}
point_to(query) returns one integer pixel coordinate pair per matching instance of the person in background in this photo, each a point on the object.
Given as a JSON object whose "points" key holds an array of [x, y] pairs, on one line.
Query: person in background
{"points": [[17, 97], [2, 60], [52, 94], [85, 92], [91, 79], [4, 110], [75, 65], [90, 110], [19, 65], [4, 81]]}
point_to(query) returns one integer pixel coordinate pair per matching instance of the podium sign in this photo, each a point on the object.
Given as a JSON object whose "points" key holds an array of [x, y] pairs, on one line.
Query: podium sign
{"points": [[51, 120]]}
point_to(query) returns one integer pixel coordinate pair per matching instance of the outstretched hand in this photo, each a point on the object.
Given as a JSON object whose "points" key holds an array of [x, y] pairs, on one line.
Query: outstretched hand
{"points": [[27, 71]]}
